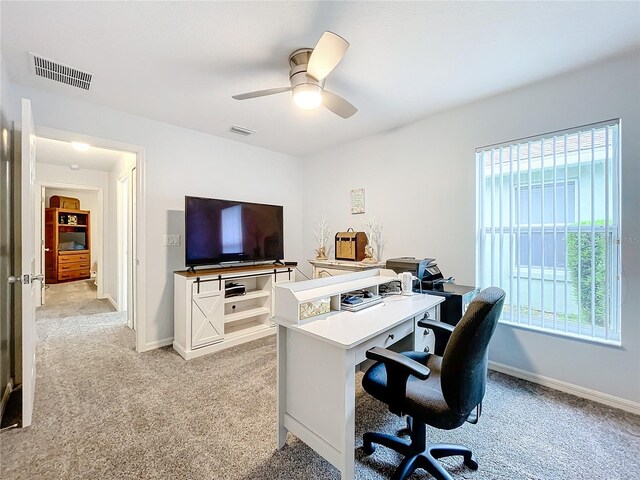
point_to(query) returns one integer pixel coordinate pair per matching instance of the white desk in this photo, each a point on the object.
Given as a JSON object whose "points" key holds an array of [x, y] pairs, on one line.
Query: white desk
{"points": [[317, 362]]}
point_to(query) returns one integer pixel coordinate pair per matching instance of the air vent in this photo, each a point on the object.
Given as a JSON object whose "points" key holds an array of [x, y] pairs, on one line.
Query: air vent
{"points": [[44, 67], [241, 130]]}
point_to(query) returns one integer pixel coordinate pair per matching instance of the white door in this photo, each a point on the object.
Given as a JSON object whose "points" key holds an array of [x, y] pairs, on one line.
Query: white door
{"points": [[40, 300], [207, 319], [30, 282]]}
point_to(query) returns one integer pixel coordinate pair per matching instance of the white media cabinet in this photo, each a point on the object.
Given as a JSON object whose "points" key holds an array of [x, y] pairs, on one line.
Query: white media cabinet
{"points": [[205, 321]]}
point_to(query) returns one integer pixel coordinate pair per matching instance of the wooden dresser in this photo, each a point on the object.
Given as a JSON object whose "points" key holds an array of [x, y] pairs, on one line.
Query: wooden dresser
{"points": [[67, 245]]}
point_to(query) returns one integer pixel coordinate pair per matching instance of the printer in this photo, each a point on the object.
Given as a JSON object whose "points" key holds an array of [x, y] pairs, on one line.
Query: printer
{"points": [[432, 281], [417, 267], [426, 269]]}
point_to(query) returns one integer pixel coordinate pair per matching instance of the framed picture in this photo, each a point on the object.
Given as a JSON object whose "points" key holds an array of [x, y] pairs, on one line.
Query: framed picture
{"points": [[357, 200]]}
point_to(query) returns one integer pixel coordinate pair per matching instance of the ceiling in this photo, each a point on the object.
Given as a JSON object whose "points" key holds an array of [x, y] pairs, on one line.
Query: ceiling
{"points": [[180, 62], [56, 152]]}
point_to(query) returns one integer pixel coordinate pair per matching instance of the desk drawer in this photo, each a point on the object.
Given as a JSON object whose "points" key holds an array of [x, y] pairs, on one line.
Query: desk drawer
{"points": [[424, 338], [384, 340]]}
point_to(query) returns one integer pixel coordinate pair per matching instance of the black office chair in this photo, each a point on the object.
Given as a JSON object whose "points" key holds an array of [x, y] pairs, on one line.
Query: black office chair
{"points": [[443, 389]]}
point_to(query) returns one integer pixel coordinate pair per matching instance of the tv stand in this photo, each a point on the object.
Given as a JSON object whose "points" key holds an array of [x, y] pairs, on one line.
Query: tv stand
{"points": [[206, 321], [191, 270]]}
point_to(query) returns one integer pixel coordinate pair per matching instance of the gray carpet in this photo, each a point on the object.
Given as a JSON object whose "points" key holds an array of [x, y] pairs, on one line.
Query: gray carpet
{"points": [[68, 300], [103, 411]]}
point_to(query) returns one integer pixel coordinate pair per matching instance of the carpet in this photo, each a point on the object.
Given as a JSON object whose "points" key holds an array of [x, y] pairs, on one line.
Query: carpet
{"points": [[104, 411]]}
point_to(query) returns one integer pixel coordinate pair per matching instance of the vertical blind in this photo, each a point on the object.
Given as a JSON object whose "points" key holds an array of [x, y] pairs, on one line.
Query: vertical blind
{"points": [[548, 216]]}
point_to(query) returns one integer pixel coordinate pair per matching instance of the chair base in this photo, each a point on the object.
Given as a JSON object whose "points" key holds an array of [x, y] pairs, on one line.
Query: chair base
{"points": [[418, 453]]}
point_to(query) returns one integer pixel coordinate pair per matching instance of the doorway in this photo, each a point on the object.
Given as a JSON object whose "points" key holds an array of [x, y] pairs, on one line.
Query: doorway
{"points": [[87, 196], [80, 244]]}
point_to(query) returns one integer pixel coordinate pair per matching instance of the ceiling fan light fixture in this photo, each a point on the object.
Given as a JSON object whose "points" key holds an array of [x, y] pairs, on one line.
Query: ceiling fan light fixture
{"points": [[307, 96], [81, 147]]}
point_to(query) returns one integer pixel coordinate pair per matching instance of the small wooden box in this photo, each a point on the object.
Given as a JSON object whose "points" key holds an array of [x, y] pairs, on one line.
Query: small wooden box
{"points": [[56, 201], [351, 245]]}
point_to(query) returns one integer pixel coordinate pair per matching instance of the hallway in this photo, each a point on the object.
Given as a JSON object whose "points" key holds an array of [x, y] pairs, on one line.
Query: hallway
{"points": [[70, 300]]}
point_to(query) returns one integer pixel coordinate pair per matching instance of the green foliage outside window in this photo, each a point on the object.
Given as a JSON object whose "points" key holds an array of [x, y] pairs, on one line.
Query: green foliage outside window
{"points": [[580, 249]]}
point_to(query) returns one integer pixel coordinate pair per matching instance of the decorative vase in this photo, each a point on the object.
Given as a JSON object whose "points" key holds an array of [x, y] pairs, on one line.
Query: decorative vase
{"points": [[321, 253], [369, 256]]}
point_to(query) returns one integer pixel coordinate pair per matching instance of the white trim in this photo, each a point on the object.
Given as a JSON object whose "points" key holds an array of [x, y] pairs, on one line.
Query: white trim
{"points": [[222, 345], [112, 302], [578, 391], [140, 297], [157, 344]]}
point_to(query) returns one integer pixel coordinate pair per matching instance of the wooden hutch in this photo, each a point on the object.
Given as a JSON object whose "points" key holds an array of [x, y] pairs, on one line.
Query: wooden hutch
{"points": [[67, 245]]}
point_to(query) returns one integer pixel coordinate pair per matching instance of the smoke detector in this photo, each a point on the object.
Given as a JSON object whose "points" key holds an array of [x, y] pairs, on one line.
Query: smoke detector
{"points": [[59, 72]]}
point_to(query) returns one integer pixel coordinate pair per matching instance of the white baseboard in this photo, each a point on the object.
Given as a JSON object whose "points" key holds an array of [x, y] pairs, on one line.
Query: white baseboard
{"points": [[5, 397], [157, 344], [112, 302], [582, 392]]}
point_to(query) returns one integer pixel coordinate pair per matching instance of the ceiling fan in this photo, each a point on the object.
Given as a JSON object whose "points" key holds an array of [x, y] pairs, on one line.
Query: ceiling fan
{"points": [[309, 70]]}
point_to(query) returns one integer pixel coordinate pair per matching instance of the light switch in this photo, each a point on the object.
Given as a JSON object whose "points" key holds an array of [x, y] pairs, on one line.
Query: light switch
{"points": [[171, 240]]}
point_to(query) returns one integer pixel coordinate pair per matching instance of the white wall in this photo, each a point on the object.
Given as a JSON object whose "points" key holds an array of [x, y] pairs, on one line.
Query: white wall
{"points": [[179, 162], [5, 85], [88, 201], [420, 186]]}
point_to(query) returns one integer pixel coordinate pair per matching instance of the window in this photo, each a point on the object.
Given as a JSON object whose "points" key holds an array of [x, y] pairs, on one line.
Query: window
{"points": [[549, 229]]}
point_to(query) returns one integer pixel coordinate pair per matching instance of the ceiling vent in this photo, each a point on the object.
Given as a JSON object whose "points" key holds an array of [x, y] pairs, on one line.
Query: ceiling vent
{"points": [[241, 130], [44, 67]]}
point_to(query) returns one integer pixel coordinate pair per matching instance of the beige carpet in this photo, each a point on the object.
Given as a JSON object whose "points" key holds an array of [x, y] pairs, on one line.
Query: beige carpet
{"points": [[72, 299], [102, 411]]}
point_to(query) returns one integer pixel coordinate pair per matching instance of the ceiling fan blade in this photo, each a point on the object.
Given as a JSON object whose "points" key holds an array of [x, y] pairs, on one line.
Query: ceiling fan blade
{"points": [[326, 55], [261, 93], [337, 104]]}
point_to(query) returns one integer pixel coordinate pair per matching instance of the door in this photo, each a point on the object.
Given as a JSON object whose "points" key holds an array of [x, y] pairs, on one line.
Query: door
{"points": [[40, 241], [207, 318], [30, 281], [133, 253], [7, 266]]}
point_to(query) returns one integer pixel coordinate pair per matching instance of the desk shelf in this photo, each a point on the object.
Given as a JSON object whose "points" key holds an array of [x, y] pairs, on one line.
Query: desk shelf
{"points": [[292, 299]]}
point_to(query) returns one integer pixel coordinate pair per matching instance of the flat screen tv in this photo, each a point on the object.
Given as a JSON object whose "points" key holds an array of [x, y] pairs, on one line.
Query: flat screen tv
{"points": [[219, 231]]}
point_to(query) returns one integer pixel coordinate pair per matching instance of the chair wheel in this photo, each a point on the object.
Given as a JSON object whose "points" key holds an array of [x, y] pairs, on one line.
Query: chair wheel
{"points": [[369, 448], [471, 463]]}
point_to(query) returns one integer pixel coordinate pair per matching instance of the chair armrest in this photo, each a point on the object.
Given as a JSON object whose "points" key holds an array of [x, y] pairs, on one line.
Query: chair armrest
{"points": [[398, 369], [399, 362], [442, 331]]}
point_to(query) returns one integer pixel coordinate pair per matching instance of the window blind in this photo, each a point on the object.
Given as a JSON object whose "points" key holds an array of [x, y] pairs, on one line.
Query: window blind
{"points": [[548, 216]]}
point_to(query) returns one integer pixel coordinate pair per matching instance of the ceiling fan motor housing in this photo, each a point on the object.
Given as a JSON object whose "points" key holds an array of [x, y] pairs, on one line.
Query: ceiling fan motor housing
{"points": [[298, 61]]}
